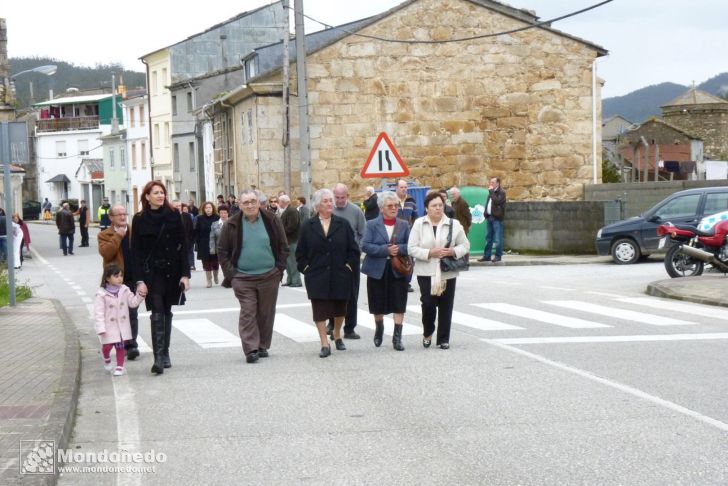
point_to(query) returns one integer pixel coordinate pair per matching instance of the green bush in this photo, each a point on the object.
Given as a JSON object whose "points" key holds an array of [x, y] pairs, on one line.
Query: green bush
{"points": [[22, 292]]}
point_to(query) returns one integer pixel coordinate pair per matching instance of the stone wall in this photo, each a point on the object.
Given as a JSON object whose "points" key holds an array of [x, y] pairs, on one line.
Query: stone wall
{"points": [[709, 122], [516, 106], [568, 227]]}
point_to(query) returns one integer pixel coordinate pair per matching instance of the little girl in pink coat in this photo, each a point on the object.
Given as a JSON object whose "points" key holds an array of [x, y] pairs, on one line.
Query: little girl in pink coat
{"points": [[111, 315]]}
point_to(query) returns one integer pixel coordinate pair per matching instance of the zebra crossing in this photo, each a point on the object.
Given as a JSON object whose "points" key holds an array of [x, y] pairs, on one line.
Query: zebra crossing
{"points": [[292, 321]]}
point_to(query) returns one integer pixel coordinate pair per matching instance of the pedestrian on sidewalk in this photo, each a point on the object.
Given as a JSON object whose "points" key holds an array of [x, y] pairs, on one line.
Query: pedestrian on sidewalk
{"points": [[495, 208], [115, 247], [386, 238], [111, 315], [203, 225], [161, 268], [25, 236], [46, 207], [428, 244], [66, 228], [84, 219], [215, 230], [327, 256], [103, 214], [252, 250], [291, 220]]}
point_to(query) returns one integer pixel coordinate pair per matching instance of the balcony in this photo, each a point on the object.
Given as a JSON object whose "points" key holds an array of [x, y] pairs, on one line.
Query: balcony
{"points": [[67, 124]]}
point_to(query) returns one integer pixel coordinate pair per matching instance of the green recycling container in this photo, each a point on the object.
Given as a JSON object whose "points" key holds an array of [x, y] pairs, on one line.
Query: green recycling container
{"points": [[476, 198]]}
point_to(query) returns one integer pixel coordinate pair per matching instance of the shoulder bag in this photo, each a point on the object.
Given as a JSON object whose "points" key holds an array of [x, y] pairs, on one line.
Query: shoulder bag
{"points": [[402, 264], [452, 264]]}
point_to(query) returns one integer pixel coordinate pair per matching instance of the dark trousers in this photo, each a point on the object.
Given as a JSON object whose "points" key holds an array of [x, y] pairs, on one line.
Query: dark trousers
{"points": [[134, 323], [440, 307], [257, 295], [84, 235], [352, 309], [66, 243]]}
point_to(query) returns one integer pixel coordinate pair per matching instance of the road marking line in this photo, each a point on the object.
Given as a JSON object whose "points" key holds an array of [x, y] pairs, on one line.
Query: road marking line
{"points": [[474, 322], [127, 424], [557, 288], [612, 339], [616, 385], [615, 313], [605, 294], [86, 300], [542, 316], [40, 258], [76, 287], [206, 333], [714, 312], [296, 330], [80, 293], [142, 345], [224, 310], [365, 319]]}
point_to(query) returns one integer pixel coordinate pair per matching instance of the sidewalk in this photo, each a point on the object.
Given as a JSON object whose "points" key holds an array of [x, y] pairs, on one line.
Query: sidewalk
{"points": [[41, 361]]}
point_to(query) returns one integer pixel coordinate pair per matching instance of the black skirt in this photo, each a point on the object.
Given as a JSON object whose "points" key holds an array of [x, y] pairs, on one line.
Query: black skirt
{"points": [[387, 295], [323, 310]]}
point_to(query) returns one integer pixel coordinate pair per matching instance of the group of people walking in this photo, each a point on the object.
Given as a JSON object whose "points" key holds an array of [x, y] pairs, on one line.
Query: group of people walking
{"points": [[259, 242]]}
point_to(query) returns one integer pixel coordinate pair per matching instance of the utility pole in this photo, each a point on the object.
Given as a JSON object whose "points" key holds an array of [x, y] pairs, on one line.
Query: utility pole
{"points": [[114, 120], [305, 141], [286, 102], [8, 189]]}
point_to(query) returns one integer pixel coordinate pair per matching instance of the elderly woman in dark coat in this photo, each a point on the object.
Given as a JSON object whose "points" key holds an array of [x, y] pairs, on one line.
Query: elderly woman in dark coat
{"points": [[385, 238], [159, 256], [326, 255], [203, 224]]}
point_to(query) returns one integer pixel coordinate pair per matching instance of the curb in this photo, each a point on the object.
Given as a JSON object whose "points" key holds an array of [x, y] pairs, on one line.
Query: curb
{"points": [[657, 289], [63, 409]]}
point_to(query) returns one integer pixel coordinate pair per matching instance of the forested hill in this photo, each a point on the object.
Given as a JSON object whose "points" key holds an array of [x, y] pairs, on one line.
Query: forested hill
{"points": [[67, 76]]}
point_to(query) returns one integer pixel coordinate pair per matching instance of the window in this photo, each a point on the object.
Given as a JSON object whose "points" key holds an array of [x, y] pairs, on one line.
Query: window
{"points": [[124, 198], [142, 120], [113, 197], [131, 117], [164, 77], [155, 83], [191, 153], [174, 106], [122, 158], [175, 156], [144, 155], [83, 147], [250, 67], [716, 203], [166, 134], [61, 148], [133, 156], [111, 158], [190, 105], [679, 207], [155, 142]]}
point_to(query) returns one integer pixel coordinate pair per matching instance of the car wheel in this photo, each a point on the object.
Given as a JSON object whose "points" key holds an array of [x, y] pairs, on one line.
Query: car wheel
{"points": [[678, 264], [625, 251]]}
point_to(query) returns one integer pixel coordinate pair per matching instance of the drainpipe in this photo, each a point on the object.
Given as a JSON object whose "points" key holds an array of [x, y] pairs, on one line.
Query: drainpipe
{"points": [[594, 119]]}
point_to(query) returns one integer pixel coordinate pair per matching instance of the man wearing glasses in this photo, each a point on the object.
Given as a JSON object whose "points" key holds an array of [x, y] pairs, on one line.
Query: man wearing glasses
{"points": [[115, 247]]}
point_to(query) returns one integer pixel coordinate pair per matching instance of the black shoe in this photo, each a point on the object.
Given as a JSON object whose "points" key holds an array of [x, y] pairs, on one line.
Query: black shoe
{"points": [[397, 338], [444, 346], [426, 342], [340, 346], [409, 288], [496, 260], [262, 353], [325, 352], [378, 333], [252, 357], [132, 354], [483, 259], [70, 253], [351, 335]]}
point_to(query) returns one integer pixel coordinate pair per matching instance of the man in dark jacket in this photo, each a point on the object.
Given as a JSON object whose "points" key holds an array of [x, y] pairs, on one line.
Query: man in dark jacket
{"points": [[291, 220], [371, 207], [84, 218], [494, 212], [66, 228], [461, 208], [252, 251]]}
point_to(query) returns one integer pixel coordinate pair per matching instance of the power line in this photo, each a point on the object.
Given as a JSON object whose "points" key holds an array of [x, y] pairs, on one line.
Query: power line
{"points": [[462, 39]]}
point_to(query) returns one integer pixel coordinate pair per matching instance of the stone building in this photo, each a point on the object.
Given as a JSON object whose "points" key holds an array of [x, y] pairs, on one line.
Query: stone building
{"points": [[516, 105], [703, 114]]}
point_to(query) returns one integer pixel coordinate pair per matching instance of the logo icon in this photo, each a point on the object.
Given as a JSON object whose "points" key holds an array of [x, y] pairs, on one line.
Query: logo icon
{"points": [[37, 456]]}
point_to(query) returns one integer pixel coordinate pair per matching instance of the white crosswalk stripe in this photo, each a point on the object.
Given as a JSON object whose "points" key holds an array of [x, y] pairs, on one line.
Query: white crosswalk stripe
{"points": [[617, 313], [299, 331], [365, 319], [474, 322], [206, 333], [541, 316], [714, 312]]}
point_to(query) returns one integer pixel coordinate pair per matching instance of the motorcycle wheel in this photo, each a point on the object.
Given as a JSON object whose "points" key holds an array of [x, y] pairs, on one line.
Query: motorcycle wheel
{"points": [[679, 264]]}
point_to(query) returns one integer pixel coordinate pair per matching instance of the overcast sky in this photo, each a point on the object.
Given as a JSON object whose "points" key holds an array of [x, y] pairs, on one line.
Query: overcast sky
{"points": [[650, 41]]}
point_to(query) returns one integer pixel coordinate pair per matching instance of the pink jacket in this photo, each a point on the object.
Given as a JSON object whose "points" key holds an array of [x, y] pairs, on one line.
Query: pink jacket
{"points": [[111, 314]]}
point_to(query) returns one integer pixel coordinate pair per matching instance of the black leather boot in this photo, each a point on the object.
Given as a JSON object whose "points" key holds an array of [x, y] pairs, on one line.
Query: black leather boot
{"points": [[167, 335], [378, 333], [397, 338], [157, 320]]}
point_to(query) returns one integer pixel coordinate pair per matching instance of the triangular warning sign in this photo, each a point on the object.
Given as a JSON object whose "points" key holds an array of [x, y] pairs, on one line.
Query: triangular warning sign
{"points": [[384, 161]]}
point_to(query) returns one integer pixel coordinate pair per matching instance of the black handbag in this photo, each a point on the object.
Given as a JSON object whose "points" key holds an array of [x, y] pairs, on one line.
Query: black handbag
{"points": [[452, 264]]}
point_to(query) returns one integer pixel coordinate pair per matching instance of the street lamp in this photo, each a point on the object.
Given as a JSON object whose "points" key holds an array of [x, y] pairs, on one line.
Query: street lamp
{"points": [[48, 70]]}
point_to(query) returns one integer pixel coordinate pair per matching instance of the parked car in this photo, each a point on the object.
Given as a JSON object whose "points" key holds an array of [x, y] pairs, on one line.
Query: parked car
{"points": [[631, 239], [31, 210]]}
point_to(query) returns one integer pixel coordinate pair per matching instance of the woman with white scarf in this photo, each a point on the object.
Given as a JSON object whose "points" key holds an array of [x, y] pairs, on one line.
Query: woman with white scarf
{"points": [[428, 244]]}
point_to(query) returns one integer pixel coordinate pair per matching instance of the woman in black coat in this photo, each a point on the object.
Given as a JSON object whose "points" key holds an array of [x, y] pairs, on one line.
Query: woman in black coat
{"points": [[159, 255], [203, 225], [326, 255]]}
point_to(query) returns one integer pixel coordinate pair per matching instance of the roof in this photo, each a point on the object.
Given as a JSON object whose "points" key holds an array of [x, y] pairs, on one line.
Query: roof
{"points": [[59, 178], [669, 125], [75, 99], [216, 26], [695, 96]]}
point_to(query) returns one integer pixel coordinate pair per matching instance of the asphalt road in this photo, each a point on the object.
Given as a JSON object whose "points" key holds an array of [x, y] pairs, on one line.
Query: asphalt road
{"points": [[556, 375]]}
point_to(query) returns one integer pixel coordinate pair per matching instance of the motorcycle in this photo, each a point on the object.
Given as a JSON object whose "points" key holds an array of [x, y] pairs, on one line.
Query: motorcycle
{"points": [[692, 248]]}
